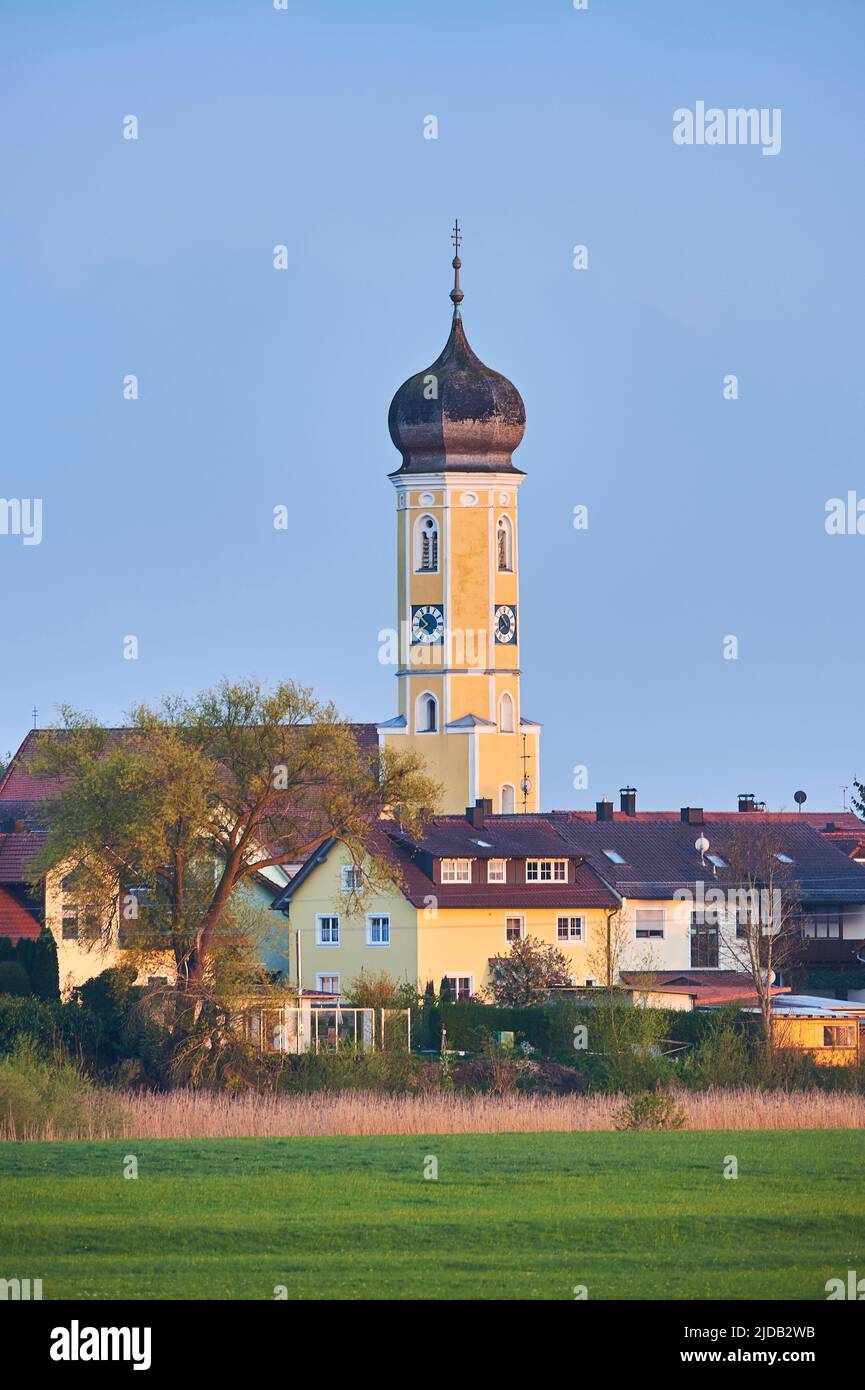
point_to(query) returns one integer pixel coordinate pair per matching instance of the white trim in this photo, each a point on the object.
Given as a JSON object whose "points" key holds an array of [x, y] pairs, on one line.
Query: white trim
{"points": [[377, 944], [653, 929], [460, 975], [322, 975], [515, 917], [510, 787], [331, 917], [506, 696], [504, 864], [569, 940], [415, 540], [426, 695]]}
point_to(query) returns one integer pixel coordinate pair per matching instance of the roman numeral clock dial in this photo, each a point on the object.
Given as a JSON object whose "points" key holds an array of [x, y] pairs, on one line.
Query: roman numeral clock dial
{"points": [[505, 623], [427, 623]]}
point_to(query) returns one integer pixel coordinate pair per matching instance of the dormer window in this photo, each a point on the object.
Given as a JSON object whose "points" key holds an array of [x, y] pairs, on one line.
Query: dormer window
{"points": [[496, 870], [456, 871], [546, 871], [426, 550]]}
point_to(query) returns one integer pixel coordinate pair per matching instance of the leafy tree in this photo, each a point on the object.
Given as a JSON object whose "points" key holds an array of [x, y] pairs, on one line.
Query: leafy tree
{"points": [[200, 795], [859, 799], [528, 973]]}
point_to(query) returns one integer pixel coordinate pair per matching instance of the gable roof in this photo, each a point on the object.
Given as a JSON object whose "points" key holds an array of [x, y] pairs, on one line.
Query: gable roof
{"points": [[16, 854], [660, 856], [21, 786], [16, 921]]}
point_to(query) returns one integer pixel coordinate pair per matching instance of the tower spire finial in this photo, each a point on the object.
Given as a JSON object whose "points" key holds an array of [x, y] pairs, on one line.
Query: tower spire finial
{"points": [[457, 295]]}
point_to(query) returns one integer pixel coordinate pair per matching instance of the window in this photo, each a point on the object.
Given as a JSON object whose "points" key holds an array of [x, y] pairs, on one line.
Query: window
{"points": [[704, 943], [456, 871], [352, 879], [496, 871], [327, 984], [614, 856], [783, 859], [514, 928], [508, 799], [426, 545], [590, 982], [426, 713], [462, 987], [326, 931], [839, 1035], [378, 929], [546, 871], [506, 714], [649, 922], [76, 922], [717, 861], [505, 544], [569, 928], [822, 926]]}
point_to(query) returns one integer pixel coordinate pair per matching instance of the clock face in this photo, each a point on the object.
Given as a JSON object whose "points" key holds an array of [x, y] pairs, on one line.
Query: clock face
{"points": [[427, 623], [506, 623]]}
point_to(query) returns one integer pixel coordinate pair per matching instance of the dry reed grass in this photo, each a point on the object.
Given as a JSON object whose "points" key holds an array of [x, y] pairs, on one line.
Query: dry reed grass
{"points": [[204, 1115]]}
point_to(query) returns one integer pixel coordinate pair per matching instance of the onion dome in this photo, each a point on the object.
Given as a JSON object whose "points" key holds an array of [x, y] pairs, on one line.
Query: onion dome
{"points": [[457, 415]]}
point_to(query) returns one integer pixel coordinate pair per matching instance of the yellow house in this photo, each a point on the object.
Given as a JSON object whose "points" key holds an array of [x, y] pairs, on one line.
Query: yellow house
{"points": [[457, 641], [461, 894]]}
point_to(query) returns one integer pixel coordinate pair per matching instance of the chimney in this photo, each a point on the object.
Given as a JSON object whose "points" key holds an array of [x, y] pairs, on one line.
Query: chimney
{"points": [[692, 815], [628, 800], [604, 810], [747, 801], [477, 814], [20, 827]]}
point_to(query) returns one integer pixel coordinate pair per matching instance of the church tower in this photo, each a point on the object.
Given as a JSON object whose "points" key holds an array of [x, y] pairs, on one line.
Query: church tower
{"points": [[456, 425]]}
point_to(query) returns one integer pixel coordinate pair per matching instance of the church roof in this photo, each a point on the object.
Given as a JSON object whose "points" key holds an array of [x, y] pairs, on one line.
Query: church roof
{"points": [[457, 414]]}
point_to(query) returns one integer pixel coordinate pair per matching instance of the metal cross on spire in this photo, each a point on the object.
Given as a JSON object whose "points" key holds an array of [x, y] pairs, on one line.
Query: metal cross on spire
{"points": [[457, 295]]}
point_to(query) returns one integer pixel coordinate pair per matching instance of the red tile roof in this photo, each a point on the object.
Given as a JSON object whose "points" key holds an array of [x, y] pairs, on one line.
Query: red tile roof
{"points": [[703, 986], [16, 854], [15, 921]]}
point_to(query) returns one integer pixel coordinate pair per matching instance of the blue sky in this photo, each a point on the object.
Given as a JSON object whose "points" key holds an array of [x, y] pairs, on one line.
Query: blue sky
{"points": [[260, 388]]}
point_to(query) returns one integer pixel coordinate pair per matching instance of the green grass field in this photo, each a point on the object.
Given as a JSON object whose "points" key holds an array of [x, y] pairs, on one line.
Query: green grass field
{"points": [[511, 1216]]}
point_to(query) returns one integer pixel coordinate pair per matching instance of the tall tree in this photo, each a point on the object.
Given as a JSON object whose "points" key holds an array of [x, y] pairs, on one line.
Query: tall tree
{"points": [[759, 926], [183, 808]]}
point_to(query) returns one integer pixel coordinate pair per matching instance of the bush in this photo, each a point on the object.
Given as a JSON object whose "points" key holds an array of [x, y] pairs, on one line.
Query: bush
{"points": [[14, 979], [39, 959], [650, 1110], [42, 1099]]}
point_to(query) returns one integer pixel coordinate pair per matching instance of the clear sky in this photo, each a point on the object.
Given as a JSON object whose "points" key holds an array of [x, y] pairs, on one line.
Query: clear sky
{"points": [[261, 387]]}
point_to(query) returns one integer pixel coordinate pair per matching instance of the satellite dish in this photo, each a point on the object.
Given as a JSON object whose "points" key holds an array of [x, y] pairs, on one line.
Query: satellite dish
{"points": [[701, 845], [800, 798]]}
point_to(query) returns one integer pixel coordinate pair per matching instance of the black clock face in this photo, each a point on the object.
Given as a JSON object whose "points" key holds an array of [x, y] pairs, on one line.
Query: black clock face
{"points": [[506, 623], [427, 623]]}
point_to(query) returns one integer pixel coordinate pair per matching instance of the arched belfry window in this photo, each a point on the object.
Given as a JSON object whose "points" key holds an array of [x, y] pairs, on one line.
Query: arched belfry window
{"points": [[426, 545], [426, 714], [506, 714], [505, 543], [507, 799]]}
